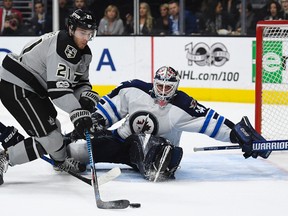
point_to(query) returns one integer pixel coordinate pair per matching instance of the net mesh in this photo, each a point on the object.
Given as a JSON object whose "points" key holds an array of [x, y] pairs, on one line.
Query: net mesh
{"points": [[274, 122]]}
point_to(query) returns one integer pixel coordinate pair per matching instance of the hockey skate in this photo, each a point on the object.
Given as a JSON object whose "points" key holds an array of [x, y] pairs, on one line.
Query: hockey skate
{"points": [[70, 164], [3, 165]]}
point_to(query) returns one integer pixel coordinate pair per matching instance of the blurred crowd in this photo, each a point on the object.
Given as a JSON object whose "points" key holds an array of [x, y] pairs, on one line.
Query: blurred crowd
{"points": [[156, 17]]}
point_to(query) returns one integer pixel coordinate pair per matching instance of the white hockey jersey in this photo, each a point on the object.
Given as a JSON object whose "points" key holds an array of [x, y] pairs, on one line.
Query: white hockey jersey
{"points": [[135, 99]]}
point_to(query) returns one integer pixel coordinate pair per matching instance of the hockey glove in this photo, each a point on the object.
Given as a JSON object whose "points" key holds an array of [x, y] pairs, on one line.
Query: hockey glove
{"points": [[89, 100], [10, 137], [245, 135], [82, 121], [98, 121]]}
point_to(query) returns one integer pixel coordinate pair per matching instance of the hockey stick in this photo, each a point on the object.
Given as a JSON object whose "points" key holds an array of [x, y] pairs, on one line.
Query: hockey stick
{"points": [[271, 145], [115, 204], [109, 176], [103, 179], [216, 148]]}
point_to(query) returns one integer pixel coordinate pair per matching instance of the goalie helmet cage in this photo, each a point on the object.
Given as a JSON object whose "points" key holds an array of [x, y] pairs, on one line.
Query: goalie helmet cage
{"points": [[271, 83]]}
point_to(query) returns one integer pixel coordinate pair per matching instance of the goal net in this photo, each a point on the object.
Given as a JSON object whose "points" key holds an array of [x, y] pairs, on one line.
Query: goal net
{"points": [[271, 107]]}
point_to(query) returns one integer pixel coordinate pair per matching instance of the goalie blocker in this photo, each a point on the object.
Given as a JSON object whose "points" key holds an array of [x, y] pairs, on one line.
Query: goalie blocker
{"points": [[244, 134]]}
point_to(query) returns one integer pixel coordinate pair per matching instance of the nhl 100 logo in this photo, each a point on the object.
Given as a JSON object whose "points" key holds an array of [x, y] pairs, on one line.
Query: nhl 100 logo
{"points": [[204, 55]]}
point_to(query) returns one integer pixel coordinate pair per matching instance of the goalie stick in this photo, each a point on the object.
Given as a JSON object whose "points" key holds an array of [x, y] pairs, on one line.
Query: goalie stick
{"points": [[103, 179], [115, 204], [216, 148], [271, 145]]}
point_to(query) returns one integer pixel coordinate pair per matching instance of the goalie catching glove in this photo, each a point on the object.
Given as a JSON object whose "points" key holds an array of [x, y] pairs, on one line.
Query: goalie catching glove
{"points": [[99, 123], [82, 121], [89, 100]]}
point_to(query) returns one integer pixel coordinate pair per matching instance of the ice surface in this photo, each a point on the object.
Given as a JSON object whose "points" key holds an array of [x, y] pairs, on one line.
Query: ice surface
{"points": [[218, 183]]}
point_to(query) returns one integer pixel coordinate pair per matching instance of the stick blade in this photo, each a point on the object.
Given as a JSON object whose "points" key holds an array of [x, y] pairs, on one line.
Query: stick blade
{"points": [[116, 204], [109, 176]]}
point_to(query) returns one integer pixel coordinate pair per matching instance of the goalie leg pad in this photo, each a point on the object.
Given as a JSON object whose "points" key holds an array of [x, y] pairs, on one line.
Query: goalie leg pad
{"points": [[177, 153], [136, 152], [157, 155], [157, 161], [163, 159]]}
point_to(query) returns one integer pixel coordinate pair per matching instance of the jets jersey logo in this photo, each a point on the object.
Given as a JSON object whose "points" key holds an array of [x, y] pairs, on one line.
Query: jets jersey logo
{"points": [[143, 122], [70, 51], [193, 104]]}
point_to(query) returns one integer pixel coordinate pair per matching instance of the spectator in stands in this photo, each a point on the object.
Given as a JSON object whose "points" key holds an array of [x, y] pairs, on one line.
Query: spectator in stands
{"points": [[174, 26], [162, 23], [111, 24], [250, 21], [64, 13], [273, 11], [146, 21], [231, 8], [41, 22], [216, 21], [284, 9], [129, 24], [190, 19], [79, 4], [10, 19]]}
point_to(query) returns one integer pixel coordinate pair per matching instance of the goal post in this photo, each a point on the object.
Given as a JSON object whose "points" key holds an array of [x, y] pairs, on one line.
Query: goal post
{"points": [[271, 83]]}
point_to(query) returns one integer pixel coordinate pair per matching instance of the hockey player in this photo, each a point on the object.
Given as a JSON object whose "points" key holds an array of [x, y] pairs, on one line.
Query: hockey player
{"points": [[53, 67], [157, 113]]}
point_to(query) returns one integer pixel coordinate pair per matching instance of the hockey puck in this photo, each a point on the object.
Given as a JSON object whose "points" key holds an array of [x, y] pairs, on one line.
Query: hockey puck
{"points": [[135, 205]]}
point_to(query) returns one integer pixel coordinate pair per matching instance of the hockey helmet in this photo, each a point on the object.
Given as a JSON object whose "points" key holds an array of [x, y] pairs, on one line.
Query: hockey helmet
{"points": [[165, 85], [83, 19]]}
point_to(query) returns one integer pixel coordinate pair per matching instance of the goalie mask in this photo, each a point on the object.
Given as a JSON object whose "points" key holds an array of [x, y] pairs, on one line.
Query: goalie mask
{"points": [[84, 20], [165, 85]]}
